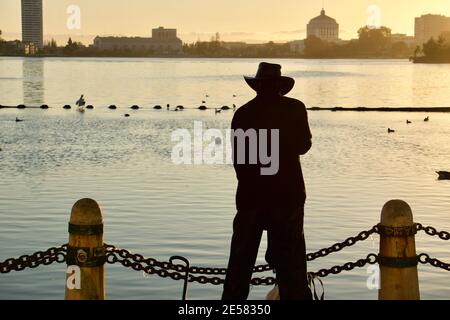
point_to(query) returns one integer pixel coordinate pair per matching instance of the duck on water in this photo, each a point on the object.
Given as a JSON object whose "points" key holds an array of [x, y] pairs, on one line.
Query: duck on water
{"points": [[443, 175]]}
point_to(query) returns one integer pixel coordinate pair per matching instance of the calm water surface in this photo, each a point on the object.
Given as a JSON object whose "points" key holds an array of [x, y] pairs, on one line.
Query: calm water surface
{"points": [[159, 209]]}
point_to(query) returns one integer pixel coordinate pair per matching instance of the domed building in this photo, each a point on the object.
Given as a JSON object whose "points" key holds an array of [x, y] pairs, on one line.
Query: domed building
{"points": [[323, 27]]}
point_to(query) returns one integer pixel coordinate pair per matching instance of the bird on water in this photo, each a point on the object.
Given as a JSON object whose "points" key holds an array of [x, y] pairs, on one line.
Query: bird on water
{"points": [[81, 103], [443, 175]]}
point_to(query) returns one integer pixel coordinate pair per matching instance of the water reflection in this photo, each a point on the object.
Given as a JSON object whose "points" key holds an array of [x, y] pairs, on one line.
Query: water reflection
{"points": [[33, 81]]}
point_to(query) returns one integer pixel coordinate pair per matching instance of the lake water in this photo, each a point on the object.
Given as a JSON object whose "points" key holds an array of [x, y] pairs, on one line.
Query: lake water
{"points": [[154, 207]]}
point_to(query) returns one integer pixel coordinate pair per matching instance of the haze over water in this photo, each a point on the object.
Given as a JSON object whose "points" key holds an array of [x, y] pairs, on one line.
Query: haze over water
{"points": [[156, 208]]}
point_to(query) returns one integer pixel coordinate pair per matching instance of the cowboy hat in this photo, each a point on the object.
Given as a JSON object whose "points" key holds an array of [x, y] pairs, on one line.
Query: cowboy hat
{"points": [[270, 72]]}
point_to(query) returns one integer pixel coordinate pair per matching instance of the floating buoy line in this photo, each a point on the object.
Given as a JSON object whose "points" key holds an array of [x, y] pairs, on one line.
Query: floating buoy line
{"points": [[133, 107]]}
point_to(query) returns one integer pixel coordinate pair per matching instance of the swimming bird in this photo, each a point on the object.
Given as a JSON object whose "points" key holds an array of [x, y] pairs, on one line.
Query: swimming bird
{"points": [[443, 175], [158, 107], [126, 115], [81, 102], [168, 106], [234, 96], [426, 119], [408, 122], [391, 130], [234, 107], [18, 120], [179, 108], [217, 111]]}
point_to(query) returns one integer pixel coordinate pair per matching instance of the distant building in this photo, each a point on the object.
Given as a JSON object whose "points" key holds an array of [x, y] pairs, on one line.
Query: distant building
{"points": [[30, 49], [430, 26], [233, 45], [162, 34], [162, 41], [401, 37], [297, 46], [323, 27], [32, 23]]}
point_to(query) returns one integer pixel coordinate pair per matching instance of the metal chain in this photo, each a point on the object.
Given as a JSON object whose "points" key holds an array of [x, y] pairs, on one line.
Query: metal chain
{"points": [[47, 257], [425, 258], [59, 255], [166, 269], [222, 271], [197, 274], [341, 245], [444, 235], [370, 259]]}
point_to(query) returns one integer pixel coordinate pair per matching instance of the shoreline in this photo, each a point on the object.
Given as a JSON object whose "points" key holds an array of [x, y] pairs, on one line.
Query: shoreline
{"points": [[205, 57]]}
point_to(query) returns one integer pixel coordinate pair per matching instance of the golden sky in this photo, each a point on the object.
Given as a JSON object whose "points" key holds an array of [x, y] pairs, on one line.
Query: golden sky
{"points": [[235, 20]]}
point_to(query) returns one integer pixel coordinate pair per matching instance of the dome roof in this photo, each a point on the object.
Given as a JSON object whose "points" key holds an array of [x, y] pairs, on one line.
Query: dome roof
{"points": [[323, 18]]}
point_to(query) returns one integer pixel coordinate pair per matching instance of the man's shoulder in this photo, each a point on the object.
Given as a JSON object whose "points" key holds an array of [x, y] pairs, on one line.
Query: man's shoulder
{"points": [[295, 103], [244, 108]]}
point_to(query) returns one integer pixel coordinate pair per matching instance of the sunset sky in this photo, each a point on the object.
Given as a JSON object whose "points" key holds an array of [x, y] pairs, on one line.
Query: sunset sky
{"points": [[235, 20]]}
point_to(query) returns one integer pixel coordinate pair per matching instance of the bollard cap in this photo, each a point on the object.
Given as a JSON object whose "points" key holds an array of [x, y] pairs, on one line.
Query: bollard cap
{"points": [[396, 213], [86, 212]]}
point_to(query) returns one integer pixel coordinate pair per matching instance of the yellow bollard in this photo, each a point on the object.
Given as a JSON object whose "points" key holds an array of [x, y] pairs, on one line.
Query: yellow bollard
{"points": [[85, 278], [397, 256]]}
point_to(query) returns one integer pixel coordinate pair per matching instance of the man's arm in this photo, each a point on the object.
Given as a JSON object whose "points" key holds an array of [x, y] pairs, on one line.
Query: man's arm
{"points": [[304, 136]]}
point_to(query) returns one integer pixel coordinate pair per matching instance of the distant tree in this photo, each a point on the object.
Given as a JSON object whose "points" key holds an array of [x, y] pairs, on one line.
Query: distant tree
{"points": [[400, 49], [431, 48], [417, 51], [51, 47], [373, 40], [315, 47], [74, 48]]}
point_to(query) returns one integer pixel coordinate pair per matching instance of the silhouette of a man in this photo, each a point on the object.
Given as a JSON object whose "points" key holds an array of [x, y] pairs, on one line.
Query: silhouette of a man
{"points": [[274, 202]]}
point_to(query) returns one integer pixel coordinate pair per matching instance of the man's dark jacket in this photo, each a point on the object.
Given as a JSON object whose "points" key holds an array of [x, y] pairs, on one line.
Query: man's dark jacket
{"points": [[286, 189]]}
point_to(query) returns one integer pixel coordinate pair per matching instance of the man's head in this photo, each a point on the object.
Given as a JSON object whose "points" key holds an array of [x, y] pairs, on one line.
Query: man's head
{"points": [[268, 80]]}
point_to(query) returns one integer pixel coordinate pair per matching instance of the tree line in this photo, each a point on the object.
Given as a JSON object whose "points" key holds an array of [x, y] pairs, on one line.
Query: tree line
{"points": [[371, 43], [433, 51]]}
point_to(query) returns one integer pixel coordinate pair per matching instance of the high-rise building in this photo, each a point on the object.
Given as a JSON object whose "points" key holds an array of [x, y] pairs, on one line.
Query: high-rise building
{"points": [[32, 23], [323, 27], [430, 26], [162, 33]]}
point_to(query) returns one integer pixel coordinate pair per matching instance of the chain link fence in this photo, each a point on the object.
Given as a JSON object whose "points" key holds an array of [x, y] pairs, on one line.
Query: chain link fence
{"points": [[206, 275]]}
